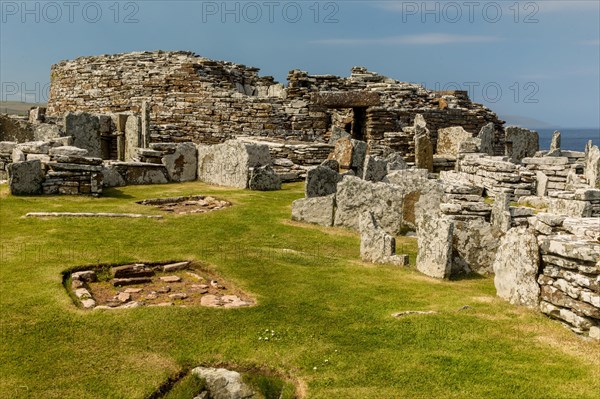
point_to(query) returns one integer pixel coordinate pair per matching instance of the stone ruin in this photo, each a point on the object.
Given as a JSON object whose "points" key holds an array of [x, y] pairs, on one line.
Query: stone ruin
{"points": [[378, 156], [533, 222], [152, 284]]}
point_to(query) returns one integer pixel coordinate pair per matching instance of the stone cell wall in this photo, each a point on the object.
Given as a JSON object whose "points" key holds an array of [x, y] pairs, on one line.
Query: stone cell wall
{"points": [[196, 99]]}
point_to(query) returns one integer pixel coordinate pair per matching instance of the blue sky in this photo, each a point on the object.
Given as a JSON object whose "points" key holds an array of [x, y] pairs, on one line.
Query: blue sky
{"points": [[536, 59]]}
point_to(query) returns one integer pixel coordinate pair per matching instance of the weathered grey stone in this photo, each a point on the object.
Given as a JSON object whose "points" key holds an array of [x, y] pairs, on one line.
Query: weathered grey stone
{"points": [[182, 164], [25, 178], [555, 144], [567, 207], [501, 218], [133, 137], [592, 166], [376, 246], [317, 210], [336, 134], [487, 135], [85, 130], [34, 147], [112, 177], [37, 114], [342, 152], [375, 168], [7, 147], [395, 161], [356, 196], [68, 151], [541, 183], [570, 247], [520, 143], [43, 158], [224, 384], [566, 315], [449, 140], [18, 155], [46, 131], [229, 164], [264, 178], [475, 243], [145, 124], [140, 173], [516, 267], [321, 181], [331, 164], [434, 236], [359, 153], [469, 145], [423, 145]]}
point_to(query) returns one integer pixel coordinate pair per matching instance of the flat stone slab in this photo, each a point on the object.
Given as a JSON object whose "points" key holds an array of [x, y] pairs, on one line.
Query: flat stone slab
{"points": [[347, 99], [91, 215]]}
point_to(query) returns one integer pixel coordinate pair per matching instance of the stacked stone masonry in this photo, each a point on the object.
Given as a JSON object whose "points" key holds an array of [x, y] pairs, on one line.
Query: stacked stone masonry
{"points": [[192, 98]]}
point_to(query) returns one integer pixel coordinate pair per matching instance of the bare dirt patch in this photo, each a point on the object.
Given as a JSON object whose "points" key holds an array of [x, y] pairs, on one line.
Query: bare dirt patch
{"points": [[153, 284], [187, 205]]}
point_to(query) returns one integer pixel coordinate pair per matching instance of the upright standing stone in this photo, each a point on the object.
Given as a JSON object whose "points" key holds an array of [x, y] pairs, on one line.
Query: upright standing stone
{"points": [[376, 246], [592, 165], [25, 178], [501, 218], [359, 152], [133, 139], [516, 268], [555, 145], [487, 135], [423, 145], [145, 141], [375, 168], [434, 237], [85, 130], [541, 183], [521, 143]]}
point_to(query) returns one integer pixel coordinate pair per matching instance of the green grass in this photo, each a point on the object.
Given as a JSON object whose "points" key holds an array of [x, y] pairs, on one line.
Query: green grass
{"points": [[329, 311], [186, 388]]}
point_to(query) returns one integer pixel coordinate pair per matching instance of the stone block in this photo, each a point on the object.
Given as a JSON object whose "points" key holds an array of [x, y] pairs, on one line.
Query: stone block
{"points": [[321, 181], [434, 236], [449, 140], [25, 178], [182, 164], [516, 268], [317, 210], [84, 128]]}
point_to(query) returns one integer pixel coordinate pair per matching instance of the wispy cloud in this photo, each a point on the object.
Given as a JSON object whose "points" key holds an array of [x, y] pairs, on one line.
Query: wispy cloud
{"points": [[592, 42], [421, 39]]}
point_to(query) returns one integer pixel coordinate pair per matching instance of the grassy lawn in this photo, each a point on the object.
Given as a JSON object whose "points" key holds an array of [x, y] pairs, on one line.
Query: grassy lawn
{"points": [[330, 312]]}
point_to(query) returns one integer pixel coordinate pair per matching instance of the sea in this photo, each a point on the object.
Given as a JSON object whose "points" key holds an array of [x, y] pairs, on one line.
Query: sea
{"points": [[571, 139]]}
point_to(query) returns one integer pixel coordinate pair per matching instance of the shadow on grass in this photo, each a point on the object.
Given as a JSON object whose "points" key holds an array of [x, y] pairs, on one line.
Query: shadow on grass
{"points": [[466, 277], [115, 193]]}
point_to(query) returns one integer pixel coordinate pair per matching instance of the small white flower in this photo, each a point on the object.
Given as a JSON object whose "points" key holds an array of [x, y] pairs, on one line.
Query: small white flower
{"points": [[314, 368]]}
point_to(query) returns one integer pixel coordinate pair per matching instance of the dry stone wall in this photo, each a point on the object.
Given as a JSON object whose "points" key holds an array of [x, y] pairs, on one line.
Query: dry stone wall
{"points": [[191, 98]]}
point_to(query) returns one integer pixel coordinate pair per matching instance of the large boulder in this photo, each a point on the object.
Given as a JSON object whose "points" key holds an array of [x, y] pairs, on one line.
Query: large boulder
{"points": [[25, 178], [318, 210], [224, 384], [356, 196], [516, 267], [321, 181], [264, 178], [377, 246], [434, 237], [229, 164], [84, 128]]}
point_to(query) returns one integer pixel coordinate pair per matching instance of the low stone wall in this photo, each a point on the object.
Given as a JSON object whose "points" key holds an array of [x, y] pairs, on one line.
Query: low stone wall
{"points": [[570, 271]]}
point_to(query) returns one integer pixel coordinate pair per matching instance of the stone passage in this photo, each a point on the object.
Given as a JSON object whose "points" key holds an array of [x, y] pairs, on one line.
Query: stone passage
{"points": [[153, 284], [187, 205]]}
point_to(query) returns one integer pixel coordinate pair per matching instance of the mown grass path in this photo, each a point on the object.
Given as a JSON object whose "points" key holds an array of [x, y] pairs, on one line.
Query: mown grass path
{"points": [[330, 313]]}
